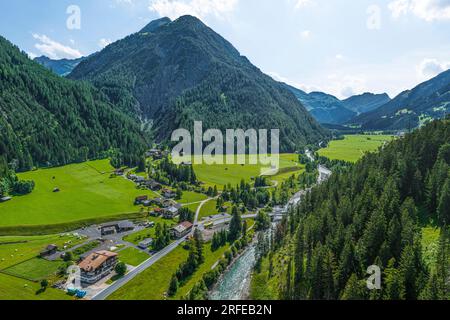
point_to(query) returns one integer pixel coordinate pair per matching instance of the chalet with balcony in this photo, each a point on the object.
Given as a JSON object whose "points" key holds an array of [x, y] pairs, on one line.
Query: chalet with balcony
{"points": [[97, 265]]}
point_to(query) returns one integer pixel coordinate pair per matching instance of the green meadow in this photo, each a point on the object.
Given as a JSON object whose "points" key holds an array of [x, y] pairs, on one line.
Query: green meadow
{"points": [[12, 288], [87, 191], [15, 250], [222, 174], [132, 256], [152, 284], [35, 269], [353, 147]]}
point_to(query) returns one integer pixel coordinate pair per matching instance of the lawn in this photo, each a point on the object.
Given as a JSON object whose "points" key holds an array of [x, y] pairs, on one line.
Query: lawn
{"points": [[191, 197], [153, 283], [139, 236], [353, 147], [132, 256], [14, 250], [222, 174], [12, 288], [35, 269], [208, 209], [87, 191]]}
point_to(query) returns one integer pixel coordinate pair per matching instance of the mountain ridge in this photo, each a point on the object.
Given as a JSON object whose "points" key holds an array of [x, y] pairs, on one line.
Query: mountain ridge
{"points": [[182, 71], [426, 101], [48, 120]]}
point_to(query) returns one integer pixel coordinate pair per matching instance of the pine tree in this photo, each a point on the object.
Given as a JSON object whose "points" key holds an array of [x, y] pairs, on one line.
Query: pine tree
{"points": [[394, 289], [235, 225], [355, 289], [444, 204], [173, 287]]}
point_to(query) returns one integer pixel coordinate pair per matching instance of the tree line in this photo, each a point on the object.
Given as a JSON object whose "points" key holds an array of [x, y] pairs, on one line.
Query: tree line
{"points": [[372, 213]]}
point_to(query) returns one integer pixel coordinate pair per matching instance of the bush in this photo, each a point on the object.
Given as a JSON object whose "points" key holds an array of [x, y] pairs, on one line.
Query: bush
{"points": [[23, 187], [121, 269]]}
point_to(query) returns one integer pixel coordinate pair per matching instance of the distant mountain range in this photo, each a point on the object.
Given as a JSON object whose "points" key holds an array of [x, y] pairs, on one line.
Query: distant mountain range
{"points": [[174, 72], [366, 102], [328, 109], [411, 108], [61, 67]]}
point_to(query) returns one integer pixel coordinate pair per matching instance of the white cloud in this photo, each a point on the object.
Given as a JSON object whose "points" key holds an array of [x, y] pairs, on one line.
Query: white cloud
{"points": [[55, 50], [102, 43], [340, 56], [305, 34], [302, 3], [428, 10], [31, 55], [199, 8], [430, 68]]}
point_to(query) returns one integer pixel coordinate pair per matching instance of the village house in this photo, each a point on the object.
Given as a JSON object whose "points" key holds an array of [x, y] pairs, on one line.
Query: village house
{"points": [[49, 250], [181, 230], [157, 201], [119, 172], [139, 200], [153, 152], [125, 226], [156, 212], [169, 194], [153, 185], [147, 203], [170, 212], [145, 244], [97, 266], [117, 227]]}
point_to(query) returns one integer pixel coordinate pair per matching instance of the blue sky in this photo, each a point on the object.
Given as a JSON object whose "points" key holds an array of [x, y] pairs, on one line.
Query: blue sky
{"points": [[342, 47]]}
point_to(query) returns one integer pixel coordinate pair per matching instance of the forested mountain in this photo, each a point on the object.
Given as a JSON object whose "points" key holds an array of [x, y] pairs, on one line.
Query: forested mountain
{"points": [[61, 67], [372, 214], [47, 120], [366, 102], [429, 100], [325, 108], [177, 72]]}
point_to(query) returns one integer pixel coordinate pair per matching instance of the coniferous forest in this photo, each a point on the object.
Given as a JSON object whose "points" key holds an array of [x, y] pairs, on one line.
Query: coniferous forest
{"points": [[47, 120], [372, 214]]}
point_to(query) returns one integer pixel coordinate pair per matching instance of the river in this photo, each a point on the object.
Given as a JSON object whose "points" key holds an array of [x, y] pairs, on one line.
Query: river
{"points": [[235, 283]]}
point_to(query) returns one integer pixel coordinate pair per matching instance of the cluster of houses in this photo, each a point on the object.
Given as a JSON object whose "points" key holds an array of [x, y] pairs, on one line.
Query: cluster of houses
{"points": [[166, 207], [156, 154]]}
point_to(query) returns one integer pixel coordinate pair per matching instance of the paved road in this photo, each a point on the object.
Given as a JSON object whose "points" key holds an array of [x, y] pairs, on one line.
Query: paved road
{"points": [[132, 274], [148, 263]]}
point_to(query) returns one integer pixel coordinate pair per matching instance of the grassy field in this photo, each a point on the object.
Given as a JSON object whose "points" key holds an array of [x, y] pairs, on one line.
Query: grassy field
{"points": [[14, 250], [191, 197], [222, 174], [353, 147], [152, 283], [12, 288], [132, 256], [210, 259], [35, 269], [86, 192]]}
